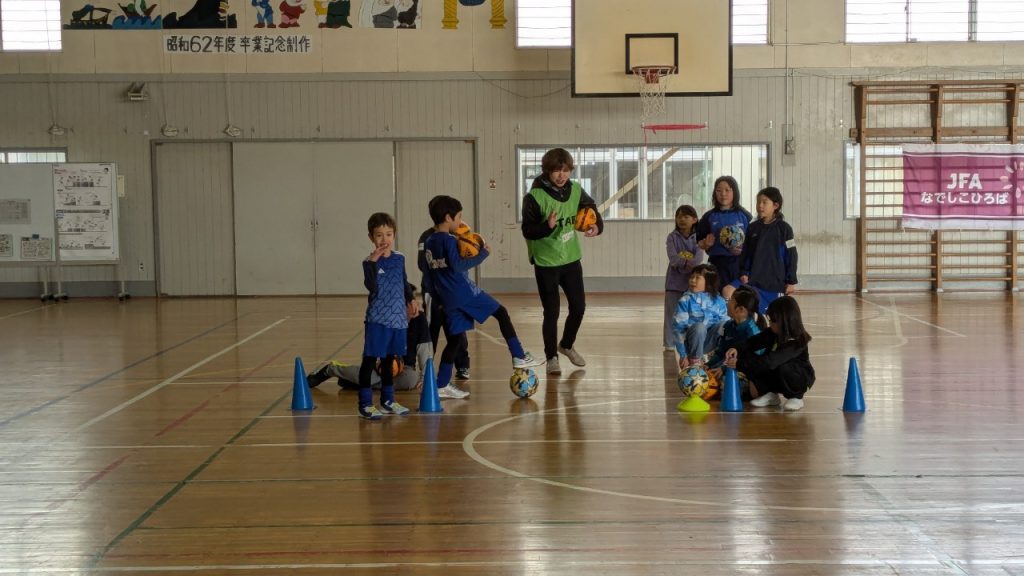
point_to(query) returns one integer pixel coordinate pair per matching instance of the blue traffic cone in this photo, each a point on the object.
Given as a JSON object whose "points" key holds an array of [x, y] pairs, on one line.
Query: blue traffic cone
{"points": [[731, 401], [854, 399], [301, 398], [429, 400]]}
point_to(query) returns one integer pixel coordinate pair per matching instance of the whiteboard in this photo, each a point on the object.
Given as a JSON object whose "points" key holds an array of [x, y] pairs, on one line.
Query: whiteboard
{"points": [[27, 228], [85, 205]]}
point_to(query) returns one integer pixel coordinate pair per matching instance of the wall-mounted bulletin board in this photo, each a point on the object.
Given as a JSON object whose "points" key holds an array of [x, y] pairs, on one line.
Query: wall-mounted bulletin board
{"points": [[58, 213], [27, 225]]}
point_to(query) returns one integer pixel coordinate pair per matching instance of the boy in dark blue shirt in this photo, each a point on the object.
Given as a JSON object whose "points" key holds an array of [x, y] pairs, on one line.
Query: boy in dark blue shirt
{"points": [[391, 303], [463, 301]]}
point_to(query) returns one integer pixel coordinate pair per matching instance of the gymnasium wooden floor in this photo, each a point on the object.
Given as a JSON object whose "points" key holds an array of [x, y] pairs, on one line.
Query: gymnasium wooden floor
{"points": [[155, 437]]}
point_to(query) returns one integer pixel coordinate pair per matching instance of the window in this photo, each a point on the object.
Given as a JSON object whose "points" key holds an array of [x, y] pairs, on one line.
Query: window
{"points": [[548, 23], [671, 175], [543, 23], [933, 20], [29, 156], [749, 21], [30, 25], [1000, 20], [851, 178]]}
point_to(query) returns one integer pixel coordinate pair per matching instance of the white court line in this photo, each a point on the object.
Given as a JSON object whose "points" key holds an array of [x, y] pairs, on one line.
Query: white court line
{"points": [[529, 565], [909, 317], [470, 440], [22, 312], [171, 380]]}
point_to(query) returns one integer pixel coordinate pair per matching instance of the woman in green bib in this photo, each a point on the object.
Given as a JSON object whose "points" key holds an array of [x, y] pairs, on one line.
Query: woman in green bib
{"points": [[549, 226]]}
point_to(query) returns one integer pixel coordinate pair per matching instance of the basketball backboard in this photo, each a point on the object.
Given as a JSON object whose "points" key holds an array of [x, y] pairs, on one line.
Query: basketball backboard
{"points": [[611, 37]]}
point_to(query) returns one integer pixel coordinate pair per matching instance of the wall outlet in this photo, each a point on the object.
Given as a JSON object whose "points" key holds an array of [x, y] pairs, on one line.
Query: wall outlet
{"points": [[142, 266]]}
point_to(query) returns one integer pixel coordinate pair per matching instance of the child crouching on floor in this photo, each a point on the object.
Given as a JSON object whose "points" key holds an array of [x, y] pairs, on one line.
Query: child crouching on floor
{"points": [[782, 374]]}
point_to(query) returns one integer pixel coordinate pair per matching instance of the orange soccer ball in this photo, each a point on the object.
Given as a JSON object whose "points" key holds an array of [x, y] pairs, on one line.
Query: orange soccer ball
{"points": [[470, 243], [585, 218], [397, 367]]}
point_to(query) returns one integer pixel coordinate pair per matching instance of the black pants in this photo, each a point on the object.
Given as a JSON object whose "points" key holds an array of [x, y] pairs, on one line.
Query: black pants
{"points": [[437, 323], [728, 268], [791, 379], [570, 278]]}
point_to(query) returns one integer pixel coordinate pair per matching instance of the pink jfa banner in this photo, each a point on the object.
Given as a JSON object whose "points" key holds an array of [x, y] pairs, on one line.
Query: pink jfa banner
{"points": [[963, 186]]}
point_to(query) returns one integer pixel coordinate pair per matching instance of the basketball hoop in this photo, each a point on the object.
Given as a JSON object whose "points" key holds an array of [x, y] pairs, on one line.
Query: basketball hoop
{"points": [[652, 82]]}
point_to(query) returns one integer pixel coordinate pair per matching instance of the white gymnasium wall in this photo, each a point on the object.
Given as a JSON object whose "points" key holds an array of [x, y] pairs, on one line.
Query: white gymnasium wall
{"points": [[471, 83]]}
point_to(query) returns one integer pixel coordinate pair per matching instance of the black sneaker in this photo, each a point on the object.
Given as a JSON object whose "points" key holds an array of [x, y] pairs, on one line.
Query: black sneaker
{"points": [[462, 374], [315, 378]]}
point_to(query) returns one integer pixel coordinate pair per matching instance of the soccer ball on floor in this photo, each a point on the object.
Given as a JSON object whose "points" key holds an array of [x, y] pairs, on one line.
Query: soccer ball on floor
{"points": [[694, 381], [718, 377], [523, 382], [732, 236]]}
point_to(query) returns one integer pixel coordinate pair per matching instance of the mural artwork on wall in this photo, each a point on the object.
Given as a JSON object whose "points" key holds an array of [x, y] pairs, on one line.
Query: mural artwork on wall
{"points": [[138, 15], [451, 13], [390, 14], [216, 14]]}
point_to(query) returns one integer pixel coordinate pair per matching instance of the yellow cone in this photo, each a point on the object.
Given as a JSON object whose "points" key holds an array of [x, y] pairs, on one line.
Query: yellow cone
{"points": [[693, 404]]}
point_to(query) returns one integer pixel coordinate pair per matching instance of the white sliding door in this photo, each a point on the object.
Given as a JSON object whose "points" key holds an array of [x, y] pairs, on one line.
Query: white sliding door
{"points": [[425, 169], [352, 180], [195, 234], [273, 188]]}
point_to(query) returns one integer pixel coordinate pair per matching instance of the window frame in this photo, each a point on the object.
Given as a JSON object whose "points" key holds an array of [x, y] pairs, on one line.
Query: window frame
{"points": [[51, 28], [5, 152], [732, 32], [974, 28], [748, 193]]}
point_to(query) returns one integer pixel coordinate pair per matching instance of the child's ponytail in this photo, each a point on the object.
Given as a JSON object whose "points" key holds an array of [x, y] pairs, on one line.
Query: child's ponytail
{"points": [[746, 297]]}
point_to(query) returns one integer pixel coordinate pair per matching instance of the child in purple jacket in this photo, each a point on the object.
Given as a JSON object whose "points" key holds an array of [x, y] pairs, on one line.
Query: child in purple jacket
{"points": [[683, 255]]}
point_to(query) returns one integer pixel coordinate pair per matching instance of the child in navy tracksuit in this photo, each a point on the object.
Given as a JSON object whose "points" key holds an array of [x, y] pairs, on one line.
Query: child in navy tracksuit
{"points": [[726, 212], [683, 255], [463, 301], [769, 256], [391, 302]]}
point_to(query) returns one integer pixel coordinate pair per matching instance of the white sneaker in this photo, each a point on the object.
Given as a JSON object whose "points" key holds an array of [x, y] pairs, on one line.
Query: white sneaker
{"points": [[769, 399], [553, 367], [793, 404], [452, 391], [527, 361], [573, 356], [669, 349]]}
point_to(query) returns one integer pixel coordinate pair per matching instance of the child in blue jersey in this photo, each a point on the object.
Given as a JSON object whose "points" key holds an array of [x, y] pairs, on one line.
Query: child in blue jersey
{"points": [[433, 309], [768, 264], [463, 301], [726, 212], [698, 314], [683, 255], [744, 322], [391, 303]]}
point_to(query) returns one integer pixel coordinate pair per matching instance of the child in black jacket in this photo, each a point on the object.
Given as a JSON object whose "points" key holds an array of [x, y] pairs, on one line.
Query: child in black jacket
{"points": [[784, 370]]}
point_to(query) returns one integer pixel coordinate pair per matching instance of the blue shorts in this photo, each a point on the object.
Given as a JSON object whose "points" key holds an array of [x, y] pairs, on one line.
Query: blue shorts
{"points": [[764, 296], [379, 341], [478, 308]]}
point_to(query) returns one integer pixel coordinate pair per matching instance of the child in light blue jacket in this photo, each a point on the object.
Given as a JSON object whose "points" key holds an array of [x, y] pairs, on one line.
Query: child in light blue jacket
{"points": [[698, 314]]}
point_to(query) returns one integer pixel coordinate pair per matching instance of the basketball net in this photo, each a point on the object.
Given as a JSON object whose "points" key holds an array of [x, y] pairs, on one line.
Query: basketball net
{"points": [[652, 82]]}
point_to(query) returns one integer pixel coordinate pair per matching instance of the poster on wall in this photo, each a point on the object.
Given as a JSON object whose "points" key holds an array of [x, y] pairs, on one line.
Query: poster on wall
{"points": [[37, 248], [85, 202], [963, 186], [6, 245]]}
